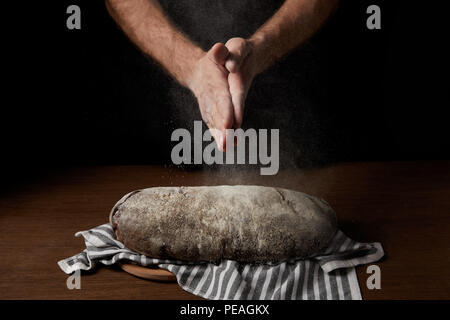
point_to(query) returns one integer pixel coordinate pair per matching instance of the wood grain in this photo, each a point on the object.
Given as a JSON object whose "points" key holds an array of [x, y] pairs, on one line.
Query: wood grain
{"points": [[404, 205]]}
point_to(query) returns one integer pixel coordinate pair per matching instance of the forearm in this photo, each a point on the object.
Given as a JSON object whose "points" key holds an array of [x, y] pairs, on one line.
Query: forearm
{"points": [[294, 23], [145, 23]]}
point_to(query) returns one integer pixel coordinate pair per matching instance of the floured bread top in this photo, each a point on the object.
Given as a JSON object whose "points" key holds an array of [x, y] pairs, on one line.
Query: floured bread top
{"points": [[244, 223]]}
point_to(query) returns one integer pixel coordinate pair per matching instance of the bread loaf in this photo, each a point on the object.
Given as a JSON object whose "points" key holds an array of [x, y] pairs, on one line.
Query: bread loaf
{"points": [[242, 223]]}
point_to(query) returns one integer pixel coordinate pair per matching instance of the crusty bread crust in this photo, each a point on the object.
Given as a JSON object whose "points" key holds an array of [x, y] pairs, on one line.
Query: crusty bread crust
{"points": [[242, 223]]}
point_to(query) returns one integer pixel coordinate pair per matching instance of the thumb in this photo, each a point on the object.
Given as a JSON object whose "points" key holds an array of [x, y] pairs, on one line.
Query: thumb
{"points": [[218, 53], [238, 50]]}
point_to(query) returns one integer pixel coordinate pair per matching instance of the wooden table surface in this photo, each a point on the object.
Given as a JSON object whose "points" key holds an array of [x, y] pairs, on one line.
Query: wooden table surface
{"points": [[403, 205]]}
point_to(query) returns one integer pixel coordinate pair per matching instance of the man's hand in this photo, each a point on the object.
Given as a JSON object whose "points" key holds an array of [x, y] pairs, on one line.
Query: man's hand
{"points": [[204, 74], [241, 65], [220, 81], [209, 83]]}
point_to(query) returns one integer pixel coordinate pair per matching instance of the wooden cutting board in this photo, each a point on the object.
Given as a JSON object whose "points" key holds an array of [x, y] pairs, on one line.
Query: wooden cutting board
{"points": [[154, 274]]}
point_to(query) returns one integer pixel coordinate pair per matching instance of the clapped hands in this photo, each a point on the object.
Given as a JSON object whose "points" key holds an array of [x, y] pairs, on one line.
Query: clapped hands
{"points": [[220, 80]]}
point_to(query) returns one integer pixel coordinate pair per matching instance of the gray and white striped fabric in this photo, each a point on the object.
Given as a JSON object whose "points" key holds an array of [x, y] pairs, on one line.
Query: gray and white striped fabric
{"points": [[329, 275]]}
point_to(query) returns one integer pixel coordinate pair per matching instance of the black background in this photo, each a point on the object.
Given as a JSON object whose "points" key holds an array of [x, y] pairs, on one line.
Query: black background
{"points": [[80, 97]]}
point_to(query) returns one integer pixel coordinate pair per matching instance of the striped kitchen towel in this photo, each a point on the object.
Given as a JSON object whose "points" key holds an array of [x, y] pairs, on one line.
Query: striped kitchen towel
{"points": [[328, 275]]}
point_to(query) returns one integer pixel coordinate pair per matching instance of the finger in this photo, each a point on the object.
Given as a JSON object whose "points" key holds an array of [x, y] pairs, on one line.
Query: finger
{"points": [[209, 120], [223, 118], [238, 50], [205, 105], [218, 53], [238, 102], [224, 112], [219, 137], [238, 95]]}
